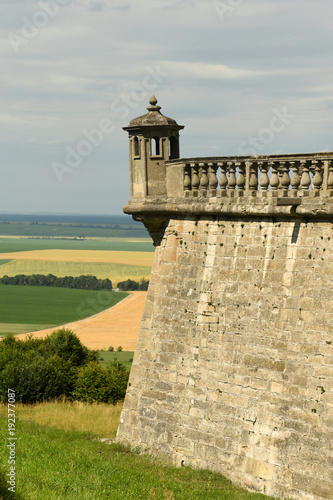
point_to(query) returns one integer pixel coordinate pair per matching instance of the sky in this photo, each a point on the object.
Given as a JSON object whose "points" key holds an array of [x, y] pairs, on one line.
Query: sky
{"points": [[243, 76]]}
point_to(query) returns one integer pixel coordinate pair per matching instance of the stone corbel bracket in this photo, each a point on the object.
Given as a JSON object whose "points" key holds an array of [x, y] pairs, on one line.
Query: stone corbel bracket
{"points": [[155, 224]]}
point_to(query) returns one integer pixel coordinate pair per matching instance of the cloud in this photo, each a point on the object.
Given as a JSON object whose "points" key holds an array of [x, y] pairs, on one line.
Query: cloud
{"points": [[222, 79], [97, 6]]}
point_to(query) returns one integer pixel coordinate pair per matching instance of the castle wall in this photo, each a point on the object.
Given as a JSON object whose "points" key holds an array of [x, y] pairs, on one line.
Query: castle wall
{"points": [[233, 369]]}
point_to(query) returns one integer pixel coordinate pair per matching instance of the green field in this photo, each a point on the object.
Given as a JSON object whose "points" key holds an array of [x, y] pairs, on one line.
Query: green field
{"points": [[72, 230], [49, 306], [124, 357], [8, 245]]}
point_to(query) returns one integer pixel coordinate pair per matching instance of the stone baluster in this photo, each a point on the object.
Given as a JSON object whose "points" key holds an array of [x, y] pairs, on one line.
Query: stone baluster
{"points": [[213, 182], [264, 179], [195, 179], [280, 165], [231, 179], [330, 178], [274, 182], [284, 178], [295, 179], [187, 182], [253, 182], [223, 179], [203, 179], [318, 177], [305, 180], [241, 177]]}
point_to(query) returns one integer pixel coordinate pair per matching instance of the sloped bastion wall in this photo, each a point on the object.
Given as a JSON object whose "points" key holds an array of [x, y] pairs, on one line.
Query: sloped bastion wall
{"points": [[233, 369]]}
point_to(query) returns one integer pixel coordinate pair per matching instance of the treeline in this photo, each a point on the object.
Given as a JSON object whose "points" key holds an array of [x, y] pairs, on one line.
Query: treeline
{"points": [[58, 366], [129, 285], [80, 282]]}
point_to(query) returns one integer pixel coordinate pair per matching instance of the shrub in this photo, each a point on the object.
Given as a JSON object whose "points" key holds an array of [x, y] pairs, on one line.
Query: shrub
{"points": [[130, 285], [96, 384], [117, 376], [34, 376], [119, 349], [42, 369], [111, 348], [68, 346]]}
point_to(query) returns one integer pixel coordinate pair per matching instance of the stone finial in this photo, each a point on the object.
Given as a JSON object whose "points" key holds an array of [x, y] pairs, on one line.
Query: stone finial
{"points": [[153, 102]]}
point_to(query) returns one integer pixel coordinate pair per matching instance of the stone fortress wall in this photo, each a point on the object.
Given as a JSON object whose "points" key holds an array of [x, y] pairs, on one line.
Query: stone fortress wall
{"points": [[233, 369]]}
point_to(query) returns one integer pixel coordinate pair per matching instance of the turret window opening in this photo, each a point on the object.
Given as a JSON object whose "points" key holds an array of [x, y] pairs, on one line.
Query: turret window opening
{"points": [[136, 147], [173, 148], [155, 146]]}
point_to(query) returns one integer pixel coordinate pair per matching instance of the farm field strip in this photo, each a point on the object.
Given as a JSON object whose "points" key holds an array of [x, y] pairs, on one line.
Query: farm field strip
{"points": [[62, 255], [18, 328], [72, 230], [10, 244], [115, 272]]}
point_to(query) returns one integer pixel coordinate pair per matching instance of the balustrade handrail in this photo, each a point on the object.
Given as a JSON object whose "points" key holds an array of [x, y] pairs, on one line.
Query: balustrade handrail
{"points": [[290, 175]]}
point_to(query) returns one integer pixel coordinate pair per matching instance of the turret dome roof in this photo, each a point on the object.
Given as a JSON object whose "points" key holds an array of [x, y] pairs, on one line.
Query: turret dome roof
{"points": [[153, 118]]}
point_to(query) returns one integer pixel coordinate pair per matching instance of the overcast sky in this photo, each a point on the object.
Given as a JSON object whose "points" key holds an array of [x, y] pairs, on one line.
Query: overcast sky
{"points": [[244, 77]]}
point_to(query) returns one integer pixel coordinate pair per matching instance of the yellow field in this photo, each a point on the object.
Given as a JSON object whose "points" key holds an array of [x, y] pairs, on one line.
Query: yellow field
{"points": [[115, 265], [114, 257], [118, 325]]}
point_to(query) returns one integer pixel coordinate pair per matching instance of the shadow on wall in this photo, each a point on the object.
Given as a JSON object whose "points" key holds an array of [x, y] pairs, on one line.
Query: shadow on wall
{"points": [[295, 234]]}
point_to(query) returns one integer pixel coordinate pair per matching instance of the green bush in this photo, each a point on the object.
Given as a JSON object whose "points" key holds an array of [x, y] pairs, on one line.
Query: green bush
{"points": [[119, 349], [111, 348], [68, 346], [130, 285], [34, 371], [102, 385], [42, 369]]}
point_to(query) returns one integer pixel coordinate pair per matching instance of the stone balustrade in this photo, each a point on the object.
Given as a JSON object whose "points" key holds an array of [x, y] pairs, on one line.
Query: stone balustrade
{"points": [[258, 186], [261, 176]]}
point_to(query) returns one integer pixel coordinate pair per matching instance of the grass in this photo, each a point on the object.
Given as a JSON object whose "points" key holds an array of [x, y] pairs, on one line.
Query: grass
{"points": [[124, 357], [64, 463], [39, 305], [100, 419], [9, 245]]}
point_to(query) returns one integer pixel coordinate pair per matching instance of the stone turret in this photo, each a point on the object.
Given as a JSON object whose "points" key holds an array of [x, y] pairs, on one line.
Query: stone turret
{"points": [[153, 140]]}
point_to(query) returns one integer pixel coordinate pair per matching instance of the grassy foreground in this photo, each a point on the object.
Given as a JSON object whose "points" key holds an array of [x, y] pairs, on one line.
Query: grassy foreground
{"points": [[55, 464]]}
